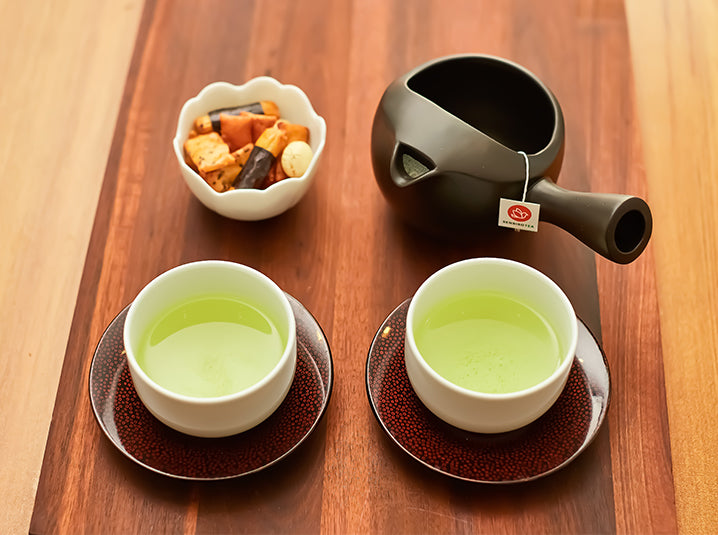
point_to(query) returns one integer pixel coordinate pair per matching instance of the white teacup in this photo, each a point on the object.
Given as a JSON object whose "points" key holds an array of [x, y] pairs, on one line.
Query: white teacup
{"points": [[207, 415], [483, 411]]}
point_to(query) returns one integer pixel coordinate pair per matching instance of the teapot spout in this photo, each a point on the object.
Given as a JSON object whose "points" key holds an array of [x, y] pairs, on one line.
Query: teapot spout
{"points": [[616, 226], [409, 165]]}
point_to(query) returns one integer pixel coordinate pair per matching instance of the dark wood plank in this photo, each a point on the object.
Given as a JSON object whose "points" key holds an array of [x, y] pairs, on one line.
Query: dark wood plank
{"points": [[344, 255], [391, 494]]}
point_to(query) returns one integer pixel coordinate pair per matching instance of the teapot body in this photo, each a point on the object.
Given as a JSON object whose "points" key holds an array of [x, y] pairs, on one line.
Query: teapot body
{"points": [[446, 138]]}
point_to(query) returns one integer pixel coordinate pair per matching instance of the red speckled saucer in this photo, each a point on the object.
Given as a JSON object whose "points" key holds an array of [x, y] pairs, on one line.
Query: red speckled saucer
{"points": [[536, 450], [148, 442]]}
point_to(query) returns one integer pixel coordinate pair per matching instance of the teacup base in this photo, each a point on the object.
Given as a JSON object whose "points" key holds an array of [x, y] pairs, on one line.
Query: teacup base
{"points": [[147, 442], [531, 452]]}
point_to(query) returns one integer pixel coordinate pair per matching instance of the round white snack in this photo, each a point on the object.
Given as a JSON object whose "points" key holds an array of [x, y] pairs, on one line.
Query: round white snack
{"points": [[296, 158]]}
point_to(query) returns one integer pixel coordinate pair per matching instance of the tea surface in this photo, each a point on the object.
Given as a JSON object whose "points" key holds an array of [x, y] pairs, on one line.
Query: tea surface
{"points": [[210, 346], [488, 342]]}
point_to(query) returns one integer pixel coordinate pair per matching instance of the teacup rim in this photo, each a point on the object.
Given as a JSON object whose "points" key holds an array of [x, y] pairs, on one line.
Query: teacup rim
{"points": [[561, 370], [288, 352]]}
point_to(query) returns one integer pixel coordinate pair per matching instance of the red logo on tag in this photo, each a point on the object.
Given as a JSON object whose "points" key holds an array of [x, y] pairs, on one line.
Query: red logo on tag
{"points": [[519, 213]]}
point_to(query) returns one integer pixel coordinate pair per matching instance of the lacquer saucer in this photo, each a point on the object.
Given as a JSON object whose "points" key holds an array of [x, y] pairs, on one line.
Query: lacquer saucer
{"points": [[536, 450], [145, 440]]}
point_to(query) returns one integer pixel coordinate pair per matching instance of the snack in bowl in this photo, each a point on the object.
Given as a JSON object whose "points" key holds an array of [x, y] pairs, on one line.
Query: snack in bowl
{"points": [[236, 134], [234, 148], [296, 158]]}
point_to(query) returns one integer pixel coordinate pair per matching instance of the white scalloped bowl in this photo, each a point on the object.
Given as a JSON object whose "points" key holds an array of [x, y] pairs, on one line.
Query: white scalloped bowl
{"points": [[252, 204]]}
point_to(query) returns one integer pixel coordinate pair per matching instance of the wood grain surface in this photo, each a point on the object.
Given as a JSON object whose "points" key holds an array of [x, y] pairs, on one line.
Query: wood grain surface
{"points": [[637, 84], [343, 255]]}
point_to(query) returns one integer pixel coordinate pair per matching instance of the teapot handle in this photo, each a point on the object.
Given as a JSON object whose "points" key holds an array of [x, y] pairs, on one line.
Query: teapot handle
{"points": [[616, 226]]}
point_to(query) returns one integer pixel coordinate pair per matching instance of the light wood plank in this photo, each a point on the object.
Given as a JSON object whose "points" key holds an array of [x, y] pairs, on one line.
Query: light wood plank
{"points": [[675, 56], [64, 65]]}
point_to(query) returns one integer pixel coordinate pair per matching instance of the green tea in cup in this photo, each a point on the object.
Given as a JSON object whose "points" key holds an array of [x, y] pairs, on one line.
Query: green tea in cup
{"points": [[489, 344], [488, 341], [210, 346]]}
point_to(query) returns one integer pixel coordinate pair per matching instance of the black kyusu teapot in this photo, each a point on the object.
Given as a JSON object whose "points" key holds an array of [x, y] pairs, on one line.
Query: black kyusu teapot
{"points": [[446, 145]]}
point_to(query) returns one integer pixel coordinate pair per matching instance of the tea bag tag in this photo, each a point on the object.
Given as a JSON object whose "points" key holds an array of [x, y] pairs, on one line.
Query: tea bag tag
{"points": [[519, 215]]}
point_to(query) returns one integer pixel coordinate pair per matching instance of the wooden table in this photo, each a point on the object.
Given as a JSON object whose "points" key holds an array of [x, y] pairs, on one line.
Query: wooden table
{"points": [[93, 208]]}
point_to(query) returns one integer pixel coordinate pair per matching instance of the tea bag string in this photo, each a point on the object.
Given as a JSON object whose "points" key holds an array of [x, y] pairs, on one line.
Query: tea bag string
{"points": [[526, 181]]}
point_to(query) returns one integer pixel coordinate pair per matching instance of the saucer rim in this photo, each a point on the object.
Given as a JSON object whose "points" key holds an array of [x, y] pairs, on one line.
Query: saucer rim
{"points": [[591, 433], [328, 389]]}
